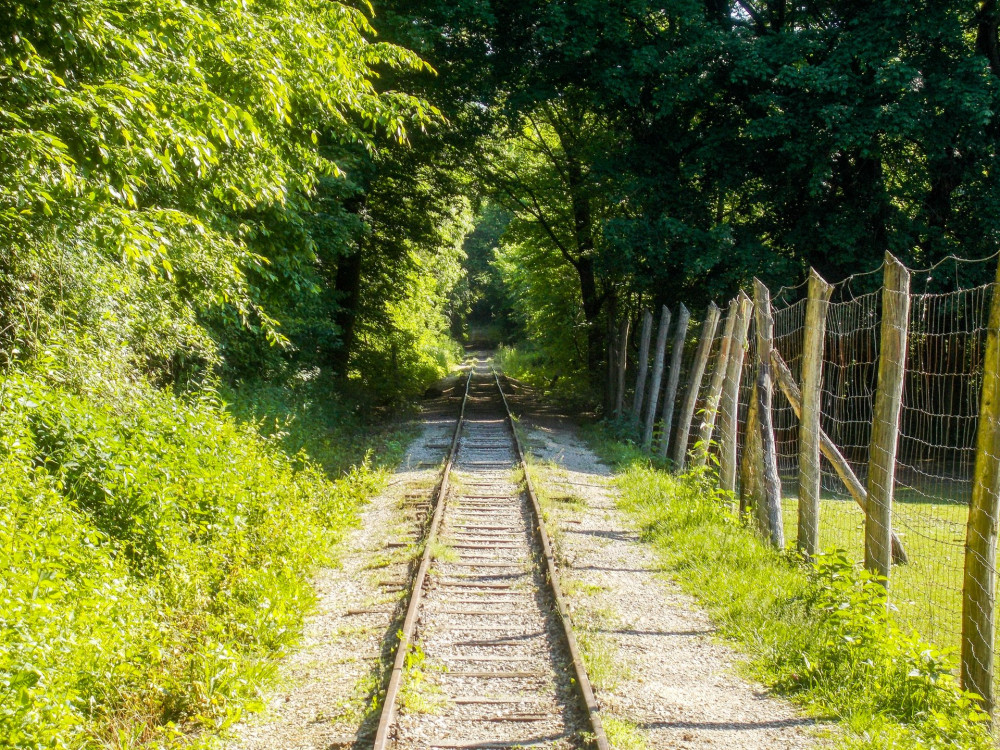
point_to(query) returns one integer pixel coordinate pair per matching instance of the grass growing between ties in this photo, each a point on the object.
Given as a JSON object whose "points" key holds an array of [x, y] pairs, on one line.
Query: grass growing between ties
{"points": [[443, 552], [418, 693], [155, 554], [624, 735], [820, 634]]}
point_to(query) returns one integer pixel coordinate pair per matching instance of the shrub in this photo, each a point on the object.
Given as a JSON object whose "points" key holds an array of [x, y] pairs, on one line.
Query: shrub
{"points": [[154, 556]]}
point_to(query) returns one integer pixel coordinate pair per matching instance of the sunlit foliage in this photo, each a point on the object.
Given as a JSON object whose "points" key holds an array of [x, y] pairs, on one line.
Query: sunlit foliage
{"points": [[158, 159]]}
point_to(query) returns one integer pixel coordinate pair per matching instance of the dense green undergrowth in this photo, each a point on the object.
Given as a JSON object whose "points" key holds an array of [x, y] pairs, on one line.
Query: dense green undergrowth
{"points": [[820, 634], [155, 551], [324, 418], [555, 379]]}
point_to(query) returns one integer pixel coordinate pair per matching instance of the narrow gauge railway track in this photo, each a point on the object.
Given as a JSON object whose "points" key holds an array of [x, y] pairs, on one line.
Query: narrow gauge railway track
{"points": [[485, 616]]}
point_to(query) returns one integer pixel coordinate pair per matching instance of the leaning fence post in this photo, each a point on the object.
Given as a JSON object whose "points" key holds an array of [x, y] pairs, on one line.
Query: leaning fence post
{"points": [[817, 305], [770, 482], [885, 425], [854, 487], [979, 589], [654, 384], [686, 415], [642, 365], [729, 404], [715, 387], [673, 381], [622, 364]]}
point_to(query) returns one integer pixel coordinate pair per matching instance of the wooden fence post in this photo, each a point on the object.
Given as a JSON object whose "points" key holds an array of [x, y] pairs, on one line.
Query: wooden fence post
{"points": [[885, 425], [817, 306], [729, 404], [622, 364], [708, 328], [715, 387], [770, 482], [670, 393], [979, 590], [642, 365], [654, 385], [752, 464]]}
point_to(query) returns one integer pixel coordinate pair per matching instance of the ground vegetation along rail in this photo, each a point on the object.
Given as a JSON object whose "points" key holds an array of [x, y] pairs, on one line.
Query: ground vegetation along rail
{"points": [[486, 657]]}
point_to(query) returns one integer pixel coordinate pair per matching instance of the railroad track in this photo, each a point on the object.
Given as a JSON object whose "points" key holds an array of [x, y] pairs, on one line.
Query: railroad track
{"points": [[486, 648]]}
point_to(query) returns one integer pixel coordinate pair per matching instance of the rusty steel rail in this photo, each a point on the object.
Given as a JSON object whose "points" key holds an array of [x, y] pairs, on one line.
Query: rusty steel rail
{"points": [[580, 678], [410, 621], [552, 575]]}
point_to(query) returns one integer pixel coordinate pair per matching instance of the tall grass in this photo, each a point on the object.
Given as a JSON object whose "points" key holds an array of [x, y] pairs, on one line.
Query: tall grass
{"points": [[820, 634]]}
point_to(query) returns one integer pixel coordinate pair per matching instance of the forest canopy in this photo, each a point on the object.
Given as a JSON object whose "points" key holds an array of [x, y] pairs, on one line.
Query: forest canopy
{"points": [[672, 151], [248, 188], [181, 183]]}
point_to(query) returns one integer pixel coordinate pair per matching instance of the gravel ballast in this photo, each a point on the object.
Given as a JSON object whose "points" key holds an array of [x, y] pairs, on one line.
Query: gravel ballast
{"points": [[662, 677]]}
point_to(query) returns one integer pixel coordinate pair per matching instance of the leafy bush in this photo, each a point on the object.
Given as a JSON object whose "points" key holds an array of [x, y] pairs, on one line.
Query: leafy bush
{"points": [[904, 677], [550, 375], [154, 555]]}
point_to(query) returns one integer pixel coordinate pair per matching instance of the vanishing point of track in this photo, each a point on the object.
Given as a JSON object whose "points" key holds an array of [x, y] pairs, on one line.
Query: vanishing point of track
{"points": [[485, 607]]}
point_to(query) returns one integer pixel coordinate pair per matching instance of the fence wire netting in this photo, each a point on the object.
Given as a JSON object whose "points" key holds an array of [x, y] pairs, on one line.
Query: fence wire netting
{"points": [[936, 455], [931, 477], [936, 443]]}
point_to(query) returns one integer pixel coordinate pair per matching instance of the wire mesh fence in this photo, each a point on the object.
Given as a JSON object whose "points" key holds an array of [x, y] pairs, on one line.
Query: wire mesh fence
{"points": [[906, 398]]}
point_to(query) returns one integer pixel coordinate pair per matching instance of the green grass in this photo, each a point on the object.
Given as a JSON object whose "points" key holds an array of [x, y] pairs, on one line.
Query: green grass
{"points": [[548, 376], [156, 552], [624, 735], [927, 591], [820, 635]]}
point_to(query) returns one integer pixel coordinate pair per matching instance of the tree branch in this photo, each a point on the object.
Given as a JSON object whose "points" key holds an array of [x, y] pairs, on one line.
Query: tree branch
{"points": [[548, 151], [536, 211], [758, 19]]}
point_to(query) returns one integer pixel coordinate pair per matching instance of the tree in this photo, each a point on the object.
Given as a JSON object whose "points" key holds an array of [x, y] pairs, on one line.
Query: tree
{"points": [[169, 152]]}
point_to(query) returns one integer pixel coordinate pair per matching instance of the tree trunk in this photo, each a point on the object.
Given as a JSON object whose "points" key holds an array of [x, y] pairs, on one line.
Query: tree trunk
{"points": [[987, 38], [347, 288], [870, 180], [592, 304]]}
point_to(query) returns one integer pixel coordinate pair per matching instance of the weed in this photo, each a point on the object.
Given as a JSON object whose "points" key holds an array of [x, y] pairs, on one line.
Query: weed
{"points": [[417, 693], [624, 735], [577, 587], [604, 666], [570, 502], [379, 561], [443, 552]]}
